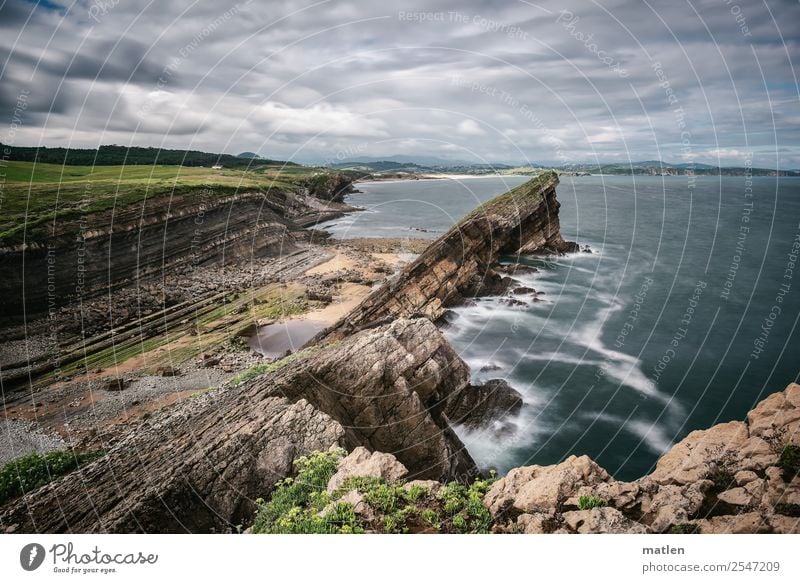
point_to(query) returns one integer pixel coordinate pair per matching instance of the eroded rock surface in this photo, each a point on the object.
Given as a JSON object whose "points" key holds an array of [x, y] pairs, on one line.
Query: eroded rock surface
{"points": [[460, 264], [735, 477], [199, 466]]}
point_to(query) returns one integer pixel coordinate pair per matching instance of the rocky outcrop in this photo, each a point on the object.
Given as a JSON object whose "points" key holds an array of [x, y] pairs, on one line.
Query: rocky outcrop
{"points": [[99, 252], [460, 264], [492, 405], [199, 466], [362, 462], [736, 477]]}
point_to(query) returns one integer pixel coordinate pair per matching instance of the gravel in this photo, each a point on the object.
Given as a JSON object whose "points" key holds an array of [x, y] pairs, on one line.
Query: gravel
{"points": [[18, 438]]}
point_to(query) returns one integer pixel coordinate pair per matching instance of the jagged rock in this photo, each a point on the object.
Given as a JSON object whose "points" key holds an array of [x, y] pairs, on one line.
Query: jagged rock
{"points": [[201, 464], [779, 410], [458, 265], [542, 488], [688, 461], [748, 523], [390, 386], [167, 371], [539, 523], [481, 406], [362, 462], [601, 521]]}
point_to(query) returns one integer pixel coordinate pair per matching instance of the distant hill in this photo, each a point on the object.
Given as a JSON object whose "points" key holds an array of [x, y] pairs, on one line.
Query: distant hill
{"points": [[248, 155], [114, 155]]}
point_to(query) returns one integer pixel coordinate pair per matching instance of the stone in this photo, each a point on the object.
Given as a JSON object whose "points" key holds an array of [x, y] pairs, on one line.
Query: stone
{"points": [[542, 488], [688, 461], [748, 523], [602, 520], [482, 406], [167, 371], [362, 462], [114, 384], [458, 265]]}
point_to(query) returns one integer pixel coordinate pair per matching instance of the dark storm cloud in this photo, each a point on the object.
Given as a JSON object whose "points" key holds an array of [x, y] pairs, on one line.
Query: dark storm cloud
{"points": [[313, 80]]}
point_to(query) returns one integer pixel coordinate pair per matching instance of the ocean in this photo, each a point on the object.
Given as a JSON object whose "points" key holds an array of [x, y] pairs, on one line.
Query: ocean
{"points": [[684, 315]]}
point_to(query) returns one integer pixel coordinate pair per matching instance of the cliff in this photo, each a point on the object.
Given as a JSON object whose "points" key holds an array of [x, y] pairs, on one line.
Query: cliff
{"points": [[89, 253], [200, 465], [460, 264], [736, 477]]}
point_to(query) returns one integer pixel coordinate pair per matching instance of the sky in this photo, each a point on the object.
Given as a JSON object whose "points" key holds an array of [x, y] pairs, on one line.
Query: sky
{"points": [[686, 81]]}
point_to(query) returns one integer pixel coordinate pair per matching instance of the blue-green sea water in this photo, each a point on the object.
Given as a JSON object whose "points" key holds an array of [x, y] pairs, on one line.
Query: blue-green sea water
{"points": [[685, 315]]}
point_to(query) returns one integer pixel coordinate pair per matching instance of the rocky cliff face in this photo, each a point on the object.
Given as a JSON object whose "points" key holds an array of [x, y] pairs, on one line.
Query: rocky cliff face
{"points": [[99, 252], [736, 477], [200, 466], [460, 264]]}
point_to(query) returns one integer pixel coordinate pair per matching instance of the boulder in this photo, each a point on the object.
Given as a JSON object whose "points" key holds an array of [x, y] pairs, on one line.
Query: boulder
{"points": [[362, 462], [542, 488], [482, 406], [603, 520]]}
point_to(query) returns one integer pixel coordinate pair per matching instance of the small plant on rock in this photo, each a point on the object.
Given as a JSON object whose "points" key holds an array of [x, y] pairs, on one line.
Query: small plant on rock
{"points": [[589, 502]]}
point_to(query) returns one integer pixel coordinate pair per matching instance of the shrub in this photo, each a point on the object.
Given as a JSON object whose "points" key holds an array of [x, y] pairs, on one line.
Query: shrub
{"points": [[296, 502], [789, 462], [684, 528], [589, 502], [302, 505], [29, 472]]}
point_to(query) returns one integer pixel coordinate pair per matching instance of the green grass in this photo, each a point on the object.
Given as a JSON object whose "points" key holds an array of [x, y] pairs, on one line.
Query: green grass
{"points": [[36, 195], [260, 369], [29, 472], [684, 528], [589, 502]]}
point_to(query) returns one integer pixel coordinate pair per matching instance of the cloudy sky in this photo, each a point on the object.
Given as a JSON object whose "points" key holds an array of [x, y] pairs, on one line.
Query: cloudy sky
{"points": [[711, 81]]}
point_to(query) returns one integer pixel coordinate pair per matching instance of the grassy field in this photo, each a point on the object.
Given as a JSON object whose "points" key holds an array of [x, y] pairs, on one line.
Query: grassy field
{"points": [[34, 195]]}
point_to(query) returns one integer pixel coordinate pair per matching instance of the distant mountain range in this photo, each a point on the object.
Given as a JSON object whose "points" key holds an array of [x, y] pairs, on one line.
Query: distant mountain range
{"points": [[426, 165]]}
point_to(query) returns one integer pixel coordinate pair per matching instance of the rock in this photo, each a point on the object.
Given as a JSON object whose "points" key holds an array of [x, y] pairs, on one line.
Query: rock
{"points": [[515, 268], [601, 521], [167, 371], [481, 406], [458, 265], [688, 461], [489, 367], [542, 488], [200, 464], [360, 506], [210, 360], [362, 462], [114, 384], [539, 523], [522, 290], [748, 523]]}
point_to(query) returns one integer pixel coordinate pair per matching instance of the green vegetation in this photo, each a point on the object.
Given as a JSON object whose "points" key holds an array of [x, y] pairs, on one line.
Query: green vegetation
{"points": [[29, 472], [260, 369], [38, 196], [117, 155], [302, 504], [297, 504], [589, 502], [684, 528], [789, 462]]}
